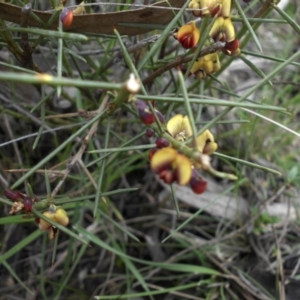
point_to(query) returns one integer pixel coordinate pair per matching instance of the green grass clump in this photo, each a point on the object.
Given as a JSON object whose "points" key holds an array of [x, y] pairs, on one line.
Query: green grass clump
{"points": [[71, 135]]}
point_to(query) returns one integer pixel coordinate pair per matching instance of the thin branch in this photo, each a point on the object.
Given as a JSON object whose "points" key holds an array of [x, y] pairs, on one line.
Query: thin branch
{"points": [[80, 152], [180, 60]]}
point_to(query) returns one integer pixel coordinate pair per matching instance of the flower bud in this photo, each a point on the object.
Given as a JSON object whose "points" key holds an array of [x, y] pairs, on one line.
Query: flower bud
{"points": [[13, 195], [162, 142], [188, 35], [149, 132], [198, 185], [146, 115], [28, 203], [66, 17]]}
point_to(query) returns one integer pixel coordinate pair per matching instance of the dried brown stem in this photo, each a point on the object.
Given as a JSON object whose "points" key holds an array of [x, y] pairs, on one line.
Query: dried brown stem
{"points": [[78, 156]]}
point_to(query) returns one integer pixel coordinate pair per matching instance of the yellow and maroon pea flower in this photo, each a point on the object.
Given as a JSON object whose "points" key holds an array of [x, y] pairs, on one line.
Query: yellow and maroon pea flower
{"points": [[198, 185], [56, 214], [66, 17], [171, 166], [206, 65], [232, 48], [213, 7], [179, 127], [188, 35], [222, 30]]}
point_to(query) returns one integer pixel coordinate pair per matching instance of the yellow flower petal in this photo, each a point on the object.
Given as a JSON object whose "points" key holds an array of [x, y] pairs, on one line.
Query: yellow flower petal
{"points": [[226, 8], [183, 168], [163, 159], [188, 35], [204, 139], [220, 7], [186, 126], [195, 4], [228, 30], [174, 125], [210, 148], [61, 217], [52, 232], [206, 65], [216, 28], [223, 30], [44, 225], [216, 62], [179, 127], [80, 9]]}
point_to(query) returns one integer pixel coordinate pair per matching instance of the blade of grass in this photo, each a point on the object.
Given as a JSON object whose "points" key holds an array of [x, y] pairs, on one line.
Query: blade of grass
{"points": [[119, 226], [53, 257], [76, 37], [251, 65], [42, 276], [17, 219], [121, 149], [238, 183], [249, 27], [267, 57], [59, 58], [22, 244], [247, 163], [75, 264], [255, 20], [55, 81], [128, 263], [102, 169], [16, 277], [152, 293], [285, 16], [175, 201], [252, 90], [162, 38], [272, 121], [57, 150], [60, 227], [212, 101], [184, 268], [188, 108], [137, 137]]}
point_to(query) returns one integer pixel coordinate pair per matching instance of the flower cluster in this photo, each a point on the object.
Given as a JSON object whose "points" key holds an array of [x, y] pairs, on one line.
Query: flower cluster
{"points": [[170, 164], [56, 214], [222, 30], [21, 202], [173, 166], [24, 203]]}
